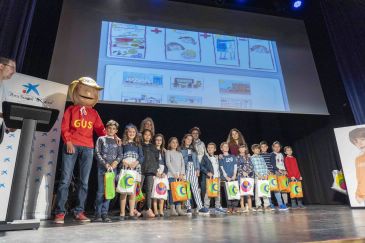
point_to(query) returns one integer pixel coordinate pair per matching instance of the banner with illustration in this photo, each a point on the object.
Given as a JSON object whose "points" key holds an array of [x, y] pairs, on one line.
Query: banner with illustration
{"points": [[351, 146], [38, 92]]}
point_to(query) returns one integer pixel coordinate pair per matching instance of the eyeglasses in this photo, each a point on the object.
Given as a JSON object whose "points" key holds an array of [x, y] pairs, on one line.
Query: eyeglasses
{"points": [[12, 67]]}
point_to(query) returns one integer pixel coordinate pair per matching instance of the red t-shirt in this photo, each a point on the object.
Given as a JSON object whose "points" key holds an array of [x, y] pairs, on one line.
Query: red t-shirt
{"points": [[78, 124], [292, 167]]}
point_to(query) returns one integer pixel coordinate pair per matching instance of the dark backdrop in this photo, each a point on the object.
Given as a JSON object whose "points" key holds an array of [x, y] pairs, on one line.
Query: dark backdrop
{"points": [[311, 136]]}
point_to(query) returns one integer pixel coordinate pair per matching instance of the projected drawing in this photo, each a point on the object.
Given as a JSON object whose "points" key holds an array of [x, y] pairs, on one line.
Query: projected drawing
{"points": [[181, 45], [127, 41], [186, 83], [226, 51], [142, 79], [234, 87], [260, 55], [141, 98], [184, 100], [236, 103]]}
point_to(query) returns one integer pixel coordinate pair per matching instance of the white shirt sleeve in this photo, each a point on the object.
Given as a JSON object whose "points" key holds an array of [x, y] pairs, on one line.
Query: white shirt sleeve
{"points": [[2, 96]]}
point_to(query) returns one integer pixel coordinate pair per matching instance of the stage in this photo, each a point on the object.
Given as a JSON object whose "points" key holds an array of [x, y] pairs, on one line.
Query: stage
{"points": [[316, 223]]}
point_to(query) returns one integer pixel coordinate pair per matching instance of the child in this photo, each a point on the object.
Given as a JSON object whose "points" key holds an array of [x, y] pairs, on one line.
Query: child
{"points": [[261, 173], [210, 169], [293, 173], [357, 137], [235, 140], [245, 170], [277, 162], [108, 155], [159, 142], [192, 169], [228, 166], [132, 157], [267, 157], [150, 168], [200, 149], [176, 170]]}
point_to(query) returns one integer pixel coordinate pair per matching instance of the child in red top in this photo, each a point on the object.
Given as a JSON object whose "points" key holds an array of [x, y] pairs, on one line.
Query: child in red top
{"points": [[292, 169]]}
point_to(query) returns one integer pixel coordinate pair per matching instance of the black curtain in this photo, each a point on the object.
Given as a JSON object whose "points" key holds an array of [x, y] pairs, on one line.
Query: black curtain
{"points": [[15, 23], [345, 20]]}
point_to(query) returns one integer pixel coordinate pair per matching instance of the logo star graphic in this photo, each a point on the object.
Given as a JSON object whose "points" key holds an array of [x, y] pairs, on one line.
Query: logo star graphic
{"points": [[31, 87]]}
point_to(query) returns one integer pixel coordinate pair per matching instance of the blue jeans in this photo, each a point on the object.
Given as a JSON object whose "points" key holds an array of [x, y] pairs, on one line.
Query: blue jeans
{"points": [[85, 157], [101, 204], [278, 199]]}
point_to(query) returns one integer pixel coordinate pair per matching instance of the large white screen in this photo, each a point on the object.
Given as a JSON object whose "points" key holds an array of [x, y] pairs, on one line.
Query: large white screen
{"points": [[161, 66], [185, 55]]}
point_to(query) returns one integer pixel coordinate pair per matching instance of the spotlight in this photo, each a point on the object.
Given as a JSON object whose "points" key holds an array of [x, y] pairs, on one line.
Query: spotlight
{"points": [[297, 4]]}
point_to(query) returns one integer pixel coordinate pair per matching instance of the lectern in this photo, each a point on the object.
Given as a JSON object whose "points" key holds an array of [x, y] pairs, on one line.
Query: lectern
{"points": [[29, 119]]}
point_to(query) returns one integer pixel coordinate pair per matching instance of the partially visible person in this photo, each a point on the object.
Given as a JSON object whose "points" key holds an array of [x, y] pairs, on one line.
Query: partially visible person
{"points": [[291, 165], [7, 70], [198, 144], [235, 140], [148, 124]]}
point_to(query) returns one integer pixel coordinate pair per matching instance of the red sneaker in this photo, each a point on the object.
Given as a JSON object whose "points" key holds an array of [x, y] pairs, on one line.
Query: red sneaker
{"points": [[59, 218], [80, 217]]}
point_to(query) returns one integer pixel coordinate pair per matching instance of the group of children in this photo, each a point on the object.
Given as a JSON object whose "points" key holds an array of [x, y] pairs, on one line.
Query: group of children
{"points": [[193, 162]]}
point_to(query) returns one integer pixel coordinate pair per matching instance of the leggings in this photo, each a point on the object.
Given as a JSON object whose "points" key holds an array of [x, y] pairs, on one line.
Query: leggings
{"points": [[148, 186], [193, 179]]}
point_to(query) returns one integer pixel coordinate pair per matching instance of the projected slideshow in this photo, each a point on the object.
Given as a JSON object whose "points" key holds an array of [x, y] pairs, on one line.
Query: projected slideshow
{"points": [[169, 67]]}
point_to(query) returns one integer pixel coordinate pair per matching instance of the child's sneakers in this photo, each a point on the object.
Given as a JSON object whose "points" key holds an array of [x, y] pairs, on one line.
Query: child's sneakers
{"points": [[59, 218], [220, 210], [267, 209], [283, 208], [203, 211], [106, 219], [189, 212], [259, 209], [97, 219], [81, 217], [272, 207], [252, 210], [301, 206]]}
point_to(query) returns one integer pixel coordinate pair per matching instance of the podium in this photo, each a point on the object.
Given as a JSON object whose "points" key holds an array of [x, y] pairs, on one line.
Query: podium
{"points": [[29, 119]]}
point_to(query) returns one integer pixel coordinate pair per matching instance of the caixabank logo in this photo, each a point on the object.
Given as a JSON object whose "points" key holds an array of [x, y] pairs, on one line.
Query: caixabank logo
{"points": [[30, 88], [30, 92]]}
